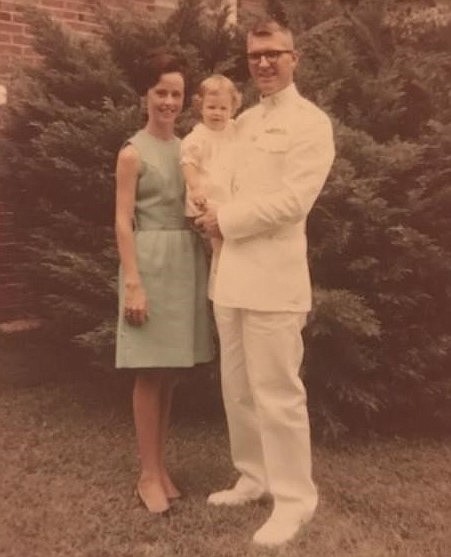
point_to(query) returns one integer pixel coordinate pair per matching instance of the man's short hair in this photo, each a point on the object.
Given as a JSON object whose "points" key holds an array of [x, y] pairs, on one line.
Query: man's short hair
{"points": [[267, 26]]}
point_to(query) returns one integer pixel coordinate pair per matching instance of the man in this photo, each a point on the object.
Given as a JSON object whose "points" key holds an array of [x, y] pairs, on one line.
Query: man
{"points": [[262, 288]]}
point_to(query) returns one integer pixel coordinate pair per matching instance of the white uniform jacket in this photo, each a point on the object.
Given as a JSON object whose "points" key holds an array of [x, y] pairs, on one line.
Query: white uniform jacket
{"points": [[285, 153]]}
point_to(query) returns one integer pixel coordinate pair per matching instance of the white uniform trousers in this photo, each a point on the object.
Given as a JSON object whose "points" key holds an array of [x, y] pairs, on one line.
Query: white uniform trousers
{"points": [[265, 404]]}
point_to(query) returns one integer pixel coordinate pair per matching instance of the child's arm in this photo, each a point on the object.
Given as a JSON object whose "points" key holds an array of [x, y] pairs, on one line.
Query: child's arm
{"points": [[195, 190]]}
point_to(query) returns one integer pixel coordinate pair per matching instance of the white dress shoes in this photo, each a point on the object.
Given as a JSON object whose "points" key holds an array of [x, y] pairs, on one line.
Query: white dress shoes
{"points": [[278, 529], [233, 497]]}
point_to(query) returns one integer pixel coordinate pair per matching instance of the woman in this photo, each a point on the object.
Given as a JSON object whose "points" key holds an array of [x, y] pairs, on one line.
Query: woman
{"points": [[163, 314]]}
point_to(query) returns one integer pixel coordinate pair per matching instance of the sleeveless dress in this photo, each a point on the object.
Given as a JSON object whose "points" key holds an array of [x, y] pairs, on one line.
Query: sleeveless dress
{"points": [[172, 265]]}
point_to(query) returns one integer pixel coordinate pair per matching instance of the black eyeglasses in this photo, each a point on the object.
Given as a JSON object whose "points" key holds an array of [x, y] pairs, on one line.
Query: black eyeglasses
{"points": [[271, 56]]}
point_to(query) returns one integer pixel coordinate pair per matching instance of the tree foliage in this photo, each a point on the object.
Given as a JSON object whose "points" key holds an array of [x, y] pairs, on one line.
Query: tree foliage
{"points": [[379, 249], [378, 341]]}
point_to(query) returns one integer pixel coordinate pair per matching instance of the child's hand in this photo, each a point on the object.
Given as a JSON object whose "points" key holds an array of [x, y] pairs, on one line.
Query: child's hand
{"points": [[200, 202], [207, 223]]}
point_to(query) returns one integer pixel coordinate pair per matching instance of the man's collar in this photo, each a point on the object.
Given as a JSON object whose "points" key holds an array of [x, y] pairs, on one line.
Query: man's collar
{"points": [[279, 97]]}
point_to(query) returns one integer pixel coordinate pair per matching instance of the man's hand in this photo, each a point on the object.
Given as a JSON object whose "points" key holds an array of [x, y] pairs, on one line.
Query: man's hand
{"points": [[207, 223]]}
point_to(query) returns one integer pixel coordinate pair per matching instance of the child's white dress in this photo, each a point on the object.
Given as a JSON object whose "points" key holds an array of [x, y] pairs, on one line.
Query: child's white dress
{"points": [[213, 153]]}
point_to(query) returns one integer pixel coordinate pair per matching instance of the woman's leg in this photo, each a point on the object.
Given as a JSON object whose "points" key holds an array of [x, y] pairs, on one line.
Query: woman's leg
{"points": [[147, 409], [166, 403]]}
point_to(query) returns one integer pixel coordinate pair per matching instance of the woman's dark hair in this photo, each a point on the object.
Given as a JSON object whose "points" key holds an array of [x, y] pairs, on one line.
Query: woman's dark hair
{"points": [[160, 62]]}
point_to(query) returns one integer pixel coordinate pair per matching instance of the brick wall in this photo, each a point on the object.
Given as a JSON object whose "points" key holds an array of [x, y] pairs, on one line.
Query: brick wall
{"points": [[76, 14], [15, 301]]}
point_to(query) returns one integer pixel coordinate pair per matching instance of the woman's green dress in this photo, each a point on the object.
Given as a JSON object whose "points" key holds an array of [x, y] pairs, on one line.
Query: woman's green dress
{"points": [[172, 265]]}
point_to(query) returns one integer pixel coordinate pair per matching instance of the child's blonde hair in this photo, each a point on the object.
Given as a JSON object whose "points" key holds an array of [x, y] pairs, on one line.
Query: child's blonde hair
{"points": [[213, 85]]}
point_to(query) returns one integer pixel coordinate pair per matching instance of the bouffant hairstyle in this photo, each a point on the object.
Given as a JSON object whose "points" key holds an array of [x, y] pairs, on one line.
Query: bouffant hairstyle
{"points": [[214, 85], [160, 62]]}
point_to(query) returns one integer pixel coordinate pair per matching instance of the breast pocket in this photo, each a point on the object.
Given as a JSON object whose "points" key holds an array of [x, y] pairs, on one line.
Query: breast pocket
{"points": [[271, 150]]}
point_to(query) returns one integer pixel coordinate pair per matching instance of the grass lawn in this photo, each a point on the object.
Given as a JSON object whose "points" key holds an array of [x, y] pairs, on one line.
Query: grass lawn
{"points": [[68, 467]]}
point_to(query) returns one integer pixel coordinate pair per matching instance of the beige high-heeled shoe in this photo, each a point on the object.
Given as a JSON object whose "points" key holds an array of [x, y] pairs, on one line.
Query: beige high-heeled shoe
{"points": [[161, 509], [173, 495]]}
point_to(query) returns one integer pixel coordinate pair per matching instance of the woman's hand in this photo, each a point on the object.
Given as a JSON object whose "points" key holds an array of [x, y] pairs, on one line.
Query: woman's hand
{"points": [[136, 309]]}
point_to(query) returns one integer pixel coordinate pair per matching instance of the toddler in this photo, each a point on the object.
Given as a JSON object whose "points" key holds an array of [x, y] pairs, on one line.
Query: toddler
{"points": [[208, 152]]}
